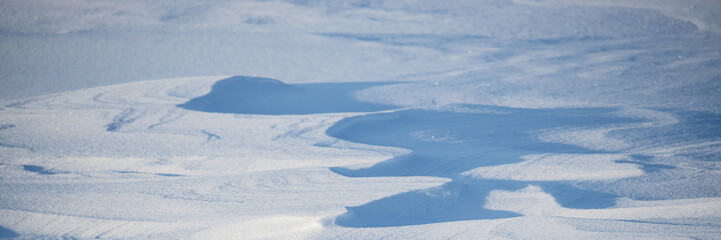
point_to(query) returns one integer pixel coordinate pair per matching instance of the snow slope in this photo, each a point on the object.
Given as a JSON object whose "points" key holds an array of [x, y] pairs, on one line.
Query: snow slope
{"points": [[360, 119]]}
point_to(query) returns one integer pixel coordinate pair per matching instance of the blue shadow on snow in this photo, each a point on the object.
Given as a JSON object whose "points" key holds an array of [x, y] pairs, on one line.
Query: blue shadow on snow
{"points": [[254, 95], [448, 143], [7, 233], [38, 170]]}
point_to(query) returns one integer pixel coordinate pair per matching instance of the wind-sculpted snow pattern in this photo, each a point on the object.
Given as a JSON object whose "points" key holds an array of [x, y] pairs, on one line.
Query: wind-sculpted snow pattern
{"points": [[501, 119]]}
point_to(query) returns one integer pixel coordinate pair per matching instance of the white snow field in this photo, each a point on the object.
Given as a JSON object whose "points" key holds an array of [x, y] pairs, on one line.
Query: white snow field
{"points": [[498, 119]]}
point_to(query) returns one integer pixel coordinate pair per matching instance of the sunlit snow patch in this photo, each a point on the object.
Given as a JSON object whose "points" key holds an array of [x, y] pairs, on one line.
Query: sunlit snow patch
{"points": [[558, 167], [276, 227], [533, 201]]}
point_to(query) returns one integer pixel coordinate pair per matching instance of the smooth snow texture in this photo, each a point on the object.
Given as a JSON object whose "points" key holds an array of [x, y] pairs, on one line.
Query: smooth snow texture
{"points": [[497, 119]]}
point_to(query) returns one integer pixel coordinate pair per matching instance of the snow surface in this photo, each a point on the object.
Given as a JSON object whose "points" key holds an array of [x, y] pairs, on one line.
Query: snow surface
{"points": [[499, 119]]}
